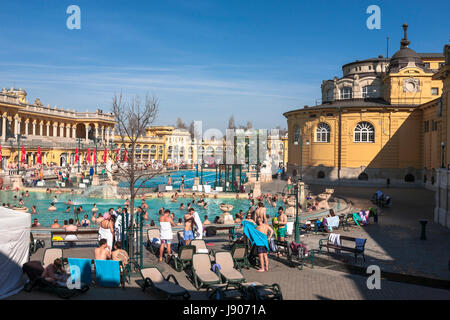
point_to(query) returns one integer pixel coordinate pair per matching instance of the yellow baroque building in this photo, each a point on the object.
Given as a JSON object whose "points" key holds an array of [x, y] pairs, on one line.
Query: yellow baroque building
{"points": [[385, 119]]}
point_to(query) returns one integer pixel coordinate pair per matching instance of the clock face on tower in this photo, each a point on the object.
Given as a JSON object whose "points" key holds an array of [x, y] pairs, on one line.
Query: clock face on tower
{"points": [[411, 85]]}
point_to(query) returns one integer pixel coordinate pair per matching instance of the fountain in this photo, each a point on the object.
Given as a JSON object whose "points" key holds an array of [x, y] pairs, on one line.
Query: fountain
{"points": [[226, 217]]}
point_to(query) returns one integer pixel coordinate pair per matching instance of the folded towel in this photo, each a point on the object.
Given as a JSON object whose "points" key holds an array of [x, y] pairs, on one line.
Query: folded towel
{"points": [[107, 273], [216, 266], [80, 269]]}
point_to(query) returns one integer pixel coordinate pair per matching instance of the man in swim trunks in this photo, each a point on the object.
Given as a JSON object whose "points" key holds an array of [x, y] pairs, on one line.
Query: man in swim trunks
{"points": [[103, 252], [262, 250], [260, 212], [188, 226], [166, 223], [282, 221]]}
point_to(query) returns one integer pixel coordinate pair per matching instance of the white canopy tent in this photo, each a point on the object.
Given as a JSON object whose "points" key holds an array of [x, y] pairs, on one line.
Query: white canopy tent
{"points": [[14, 249]]}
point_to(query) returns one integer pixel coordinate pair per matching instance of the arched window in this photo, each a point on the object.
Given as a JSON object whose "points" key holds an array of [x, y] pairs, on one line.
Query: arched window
{"points": [[323, 132], [346, 93], [369, 92], [321, 175], [296, 135], [364, 132], [409, 178]]}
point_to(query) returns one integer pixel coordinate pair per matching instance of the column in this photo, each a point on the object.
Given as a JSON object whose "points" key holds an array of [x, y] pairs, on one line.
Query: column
{"points": [[34, 127], [27, 122], [68, 130], [61, 129], [48, 128], [41, 128], [102, 136], [96, 131], [15, 125], [74, 131], [86, 125], [4, 127], [55, 129]]}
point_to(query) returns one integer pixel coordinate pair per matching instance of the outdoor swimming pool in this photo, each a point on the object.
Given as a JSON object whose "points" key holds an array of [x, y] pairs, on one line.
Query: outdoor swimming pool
{"points": [[209, 177], [42, 201]]}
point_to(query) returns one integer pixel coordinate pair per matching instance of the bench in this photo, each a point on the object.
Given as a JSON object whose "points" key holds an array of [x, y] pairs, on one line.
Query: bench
{"points": [[65, 262], [63, 234], [356, 251]]}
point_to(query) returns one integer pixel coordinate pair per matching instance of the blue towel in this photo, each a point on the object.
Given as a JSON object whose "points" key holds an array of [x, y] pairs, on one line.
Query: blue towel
{"points": [[256, 237], [85, 267], [360, 243], [216, 266], [107, 273]]}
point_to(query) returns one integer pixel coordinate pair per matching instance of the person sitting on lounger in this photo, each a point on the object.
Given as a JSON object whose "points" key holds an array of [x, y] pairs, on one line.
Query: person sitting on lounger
{"points": [[119, 254], [55, 273], [103, 252]]}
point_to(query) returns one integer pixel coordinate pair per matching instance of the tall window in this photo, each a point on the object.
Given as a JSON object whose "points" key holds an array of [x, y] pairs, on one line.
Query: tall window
{"points": [[329, 95], [296, 135], [368, 92], [323, 132], [346, 93], [364, 132]]}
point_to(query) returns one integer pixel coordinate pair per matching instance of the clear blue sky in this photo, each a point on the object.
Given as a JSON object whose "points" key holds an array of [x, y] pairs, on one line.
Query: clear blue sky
{"points": [[205, 60]]}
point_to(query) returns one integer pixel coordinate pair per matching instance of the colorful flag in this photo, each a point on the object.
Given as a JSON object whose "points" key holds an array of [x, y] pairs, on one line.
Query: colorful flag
{"points": [[117, 155], [88, 156], [95, 155], [38, 160], [104, 155], [77, 158], [125, 159], [22, 157]]}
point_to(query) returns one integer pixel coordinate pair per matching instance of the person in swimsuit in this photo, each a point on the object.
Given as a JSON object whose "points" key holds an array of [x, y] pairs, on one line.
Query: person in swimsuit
{"points": [[260, 212], [166, 224], [188, 226], [85, 222], [262, 250], [106, 229], [103, 252], [71, 237], [282, 221]]}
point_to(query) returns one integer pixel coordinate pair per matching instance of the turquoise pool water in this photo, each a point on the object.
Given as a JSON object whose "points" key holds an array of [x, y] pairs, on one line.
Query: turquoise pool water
{"points": [[42, 201], [209, 177]]}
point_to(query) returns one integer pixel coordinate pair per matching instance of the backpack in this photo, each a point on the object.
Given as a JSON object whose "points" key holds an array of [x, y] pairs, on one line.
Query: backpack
{"points": [[211, 231]]}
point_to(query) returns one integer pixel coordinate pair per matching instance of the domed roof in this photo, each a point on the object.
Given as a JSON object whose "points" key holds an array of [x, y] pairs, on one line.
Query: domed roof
{"points": [[405, 56]]}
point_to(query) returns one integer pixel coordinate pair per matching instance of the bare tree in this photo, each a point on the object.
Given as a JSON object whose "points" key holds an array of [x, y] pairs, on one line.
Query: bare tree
{"points": [[132, 119], [180, 124]]}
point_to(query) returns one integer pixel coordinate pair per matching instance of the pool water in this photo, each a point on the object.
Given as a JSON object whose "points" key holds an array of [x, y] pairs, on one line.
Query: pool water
{"points": [[42, 201], [209, 177]]}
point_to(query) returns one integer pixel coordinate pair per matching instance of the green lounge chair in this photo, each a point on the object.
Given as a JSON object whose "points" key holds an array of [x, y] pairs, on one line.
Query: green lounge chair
{"points": [[183, 259], [201, 271], [153, 278], [239, 253], [227, 270]]}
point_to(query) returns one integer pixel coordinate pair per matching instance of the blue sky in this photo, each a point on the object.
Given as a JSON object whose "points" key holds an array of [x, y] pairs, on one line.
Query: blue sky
{"points": [[204, 60]]}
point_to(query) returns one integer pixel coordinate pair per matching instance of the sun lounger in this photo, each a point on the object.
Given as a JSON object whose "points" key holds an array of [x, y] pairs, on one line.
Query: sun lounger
{"points": [[153, 278], [34, 271], [200, 246], [50, 254], [154, 240], [201, 271], [107, 273], [227, 270], [81, 269], [183, 259], [239, 253], [258, 291]]}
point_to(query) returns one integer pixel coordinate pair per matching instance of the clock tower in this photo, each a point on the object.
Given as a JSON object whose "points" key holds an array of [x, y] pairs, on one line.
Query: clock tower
{"points": [[408, 81]]}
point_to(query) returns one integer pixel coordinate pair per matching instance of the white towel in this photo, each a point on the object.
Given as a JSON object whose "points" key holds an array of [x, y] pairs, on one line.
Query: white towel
{"points": [[105, 234], [199, 225], [166, 230], [335, 238]]}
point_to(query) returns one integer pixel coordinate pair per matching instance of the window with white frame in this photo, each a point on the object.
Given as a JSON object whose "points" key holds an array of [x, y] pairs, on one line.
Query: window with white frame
{"points": [[323, 132], [346, 93], [364, 132], [368, 92], [296, 135]]}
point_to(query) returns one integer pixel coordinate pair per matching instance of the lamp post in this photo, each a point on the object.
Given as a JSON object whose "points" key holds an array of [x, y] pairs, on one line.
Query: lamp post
{"points": [[443, 147], [203, 152], [79, 152], [297, 222]]}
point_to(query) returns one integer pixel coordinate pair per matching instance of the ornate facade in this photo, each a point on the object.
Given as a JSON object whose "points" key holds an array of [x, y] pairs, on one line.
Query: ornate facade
{"points": [[381, 120]]}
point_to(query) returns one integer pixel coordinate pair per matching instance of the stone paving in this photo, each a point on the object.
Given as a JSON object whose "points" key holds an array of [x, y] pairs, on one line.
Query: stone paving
{"points": [[393, 244]]}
